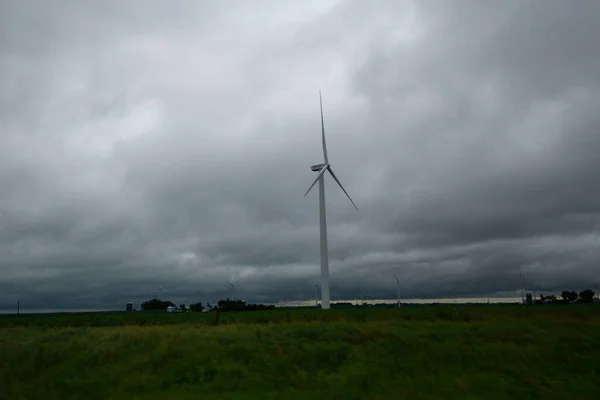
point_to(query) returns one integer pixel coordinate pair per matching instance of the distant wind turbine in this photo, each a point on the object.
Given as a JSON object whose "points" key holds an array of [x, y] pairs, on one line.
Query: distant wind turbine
{"points": [[316, 286], [233, 285], [522, 288], [321, 169], [160, 289], [398, 289]]}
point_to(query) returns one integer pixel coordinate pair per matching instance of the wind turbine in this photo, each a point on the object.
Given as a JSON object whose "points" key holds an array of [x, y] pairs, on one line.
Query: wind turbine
{"points": [[233, 285], [398, 289], [160, 289], [299, 294], [316, 286], [522, 288], [321, 169]]}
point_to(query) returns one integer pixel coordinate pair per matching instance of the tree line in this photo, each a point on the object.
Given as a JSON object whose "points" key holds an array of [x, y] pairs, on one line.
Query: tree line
{"points": [[568, 297], [222, 306]]}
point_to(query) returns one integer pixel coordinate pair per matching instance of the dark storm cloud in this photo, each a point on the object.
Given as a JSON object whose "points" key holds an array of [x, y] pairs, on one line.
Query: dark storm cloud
{"points": [[147, 145]]}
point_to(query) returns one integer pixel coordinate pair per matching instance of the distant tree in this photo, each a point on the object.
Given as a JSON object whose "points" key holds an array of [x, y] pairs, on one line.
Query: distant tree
{"points": [[565, 295], [573, 296], [586, 296], [196, 307], [231, 305], [182, 307], [156, 304]]}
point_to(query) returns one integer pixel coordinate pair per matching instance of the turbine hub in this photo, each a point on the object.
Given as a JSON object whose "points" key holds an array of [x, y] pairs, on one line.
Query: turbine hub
{"points": [[318, 167]]}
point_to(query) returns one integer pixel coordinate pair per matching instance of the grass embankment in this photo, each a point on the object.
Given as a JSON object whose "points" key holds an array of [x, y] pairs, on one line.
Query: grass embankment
{"points": [[495, 352]]}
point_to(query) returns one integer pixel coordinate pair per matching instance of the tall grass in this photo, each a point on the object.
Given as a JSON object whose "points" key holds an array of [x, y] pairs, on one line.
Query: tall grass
{"points": [[413, 353]]}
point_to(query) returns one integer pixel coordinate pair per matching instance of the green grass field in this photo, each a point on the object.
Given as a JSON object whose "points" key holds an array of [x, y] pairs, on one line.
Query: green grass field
{"points": [[462, 352]]}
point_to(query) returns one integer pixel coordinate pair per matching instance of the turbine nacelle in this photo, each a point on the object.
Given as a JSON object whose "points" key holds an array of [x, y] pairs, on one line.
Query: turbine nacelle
{"points": [[318, 167]]}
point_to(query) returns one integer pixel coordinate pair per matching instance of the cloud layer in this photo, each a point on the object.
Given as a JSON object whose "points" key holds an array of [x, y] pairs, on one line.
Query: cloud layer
{"points": [[145, 145]]}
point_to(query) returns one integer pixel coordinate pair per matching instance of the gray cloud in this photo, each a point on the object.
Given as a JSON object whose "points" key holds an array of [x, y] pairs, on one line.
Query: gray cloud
{"points": [[145, 145]]}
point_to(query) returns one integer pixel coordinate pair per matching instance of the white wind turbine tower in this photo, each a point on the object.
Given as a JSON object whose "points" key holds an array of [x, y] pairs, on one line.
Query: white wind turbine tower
{"points": [[398, 289], [321, 169], [160, 289]]}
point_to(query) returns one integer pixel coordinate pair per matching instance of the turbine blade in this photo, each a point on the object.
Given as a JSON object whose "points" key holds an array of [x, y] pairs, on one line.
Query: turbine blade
{"points": [[339, 183], [323, 130], [321, 172]]}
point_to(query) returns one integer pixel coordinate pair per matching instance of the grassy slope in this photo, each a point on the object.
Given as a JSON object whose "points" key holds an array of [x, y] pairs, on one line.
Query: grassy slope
{"points": [[471, 353]]}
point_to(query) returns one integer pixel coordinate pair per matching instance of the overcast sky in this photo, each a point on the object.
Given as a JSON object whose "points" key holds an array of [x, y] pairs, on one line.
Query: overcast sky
{"points": [[148, 143]]}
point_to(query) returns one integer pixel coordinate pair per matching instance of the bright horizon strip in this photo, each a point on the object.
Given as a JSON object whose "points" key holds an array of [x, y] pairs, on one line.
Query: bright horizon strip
{"points": [[458, 300]]}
